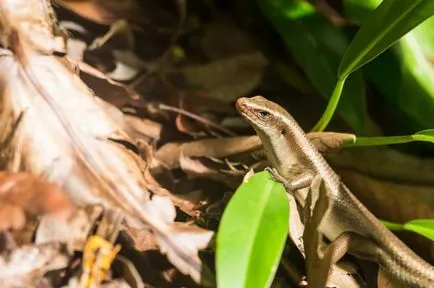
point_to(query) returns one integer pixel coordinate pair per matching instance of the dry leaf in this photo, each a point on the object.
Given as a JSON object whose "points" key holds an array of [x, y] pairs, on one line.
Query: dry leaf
{"points": [[143, 128], [89, 9], [73, 231], [215, 148], [213, 169], [22, 193], [24, 265], [387, 164], [65, 134]]}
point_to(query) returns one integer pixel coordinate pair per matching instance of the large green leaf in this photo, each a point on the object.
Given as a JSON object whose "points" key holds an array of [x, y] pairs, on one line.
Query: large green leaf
{"points": [[390, 21], [318, 48], [404, 74], [424, 227], [252, 234], [357, 10]]}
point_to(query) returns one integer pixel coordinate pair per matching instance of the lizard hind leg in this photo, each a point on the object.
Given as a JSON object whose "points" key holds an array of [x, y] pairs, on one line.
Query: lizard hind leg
{"points": [[319, 257]]}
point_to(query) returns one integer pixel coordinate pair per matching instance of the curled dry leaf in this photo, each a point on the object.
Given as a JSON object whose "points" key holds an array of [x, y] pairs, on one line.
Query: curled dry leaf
{"points": [[214, 169], [90, 10], [143, 128], [22, 193], [215, 148], [65, 135]]}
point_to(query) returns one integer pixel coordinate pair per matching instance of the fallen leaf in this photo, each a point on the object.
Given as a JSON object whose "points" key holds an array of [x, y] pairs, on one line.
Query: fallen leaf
{"points": [[73, 231], [213, 169], [171, 152], [23, 266], [24, 193], [66, 136], [89, 9]]}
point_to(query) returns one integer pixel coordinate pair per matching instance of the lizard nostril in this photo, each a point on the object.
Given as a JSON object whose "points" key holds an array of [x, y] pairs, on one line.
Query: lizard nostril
{"points": [[240, 104]]}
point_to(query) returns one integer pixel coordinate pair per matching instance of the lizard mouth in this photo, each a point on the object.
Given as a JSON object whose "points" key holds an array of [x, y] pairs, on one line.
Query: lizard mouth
{"points": [[244, 111]]}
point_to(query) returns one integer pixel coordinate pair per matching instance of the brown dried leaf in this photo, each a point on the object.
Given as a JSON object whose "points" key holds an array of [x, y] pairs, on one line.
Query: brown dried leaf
{"points": [[142, 239], [216, 148], [221, 171], [22, 193], [73, 231], [111, 91], [89, 9], [144, 129], [66, 136], [385, 163]]}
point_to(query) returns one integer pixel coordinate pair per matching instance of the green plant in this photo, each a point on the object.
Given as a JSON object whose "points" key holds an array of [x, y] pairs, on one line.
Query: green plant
{"points": [[395, 19], [254, 226], [252, 233]]}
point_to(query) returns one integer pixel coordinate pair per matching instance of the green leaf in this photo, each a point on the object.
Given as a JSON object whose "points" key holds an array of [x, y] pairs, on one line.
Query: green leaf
{"points": [[392, 225], [390, 21], [424, 227], [425, 36], [318, 47], [357, 10], [404, 74], [425, 134], [252, 234]]}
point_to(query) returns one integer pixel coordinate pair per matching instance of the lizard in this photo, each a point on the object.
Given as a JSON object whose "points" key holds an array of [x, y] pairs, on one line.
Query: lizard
{"points": [[296, 163]]}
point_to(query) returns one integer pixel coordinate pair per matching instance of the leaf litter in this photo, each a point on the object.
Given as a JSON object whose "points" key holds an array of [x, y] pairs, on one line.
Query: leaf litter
{"points": [[120, 145]]}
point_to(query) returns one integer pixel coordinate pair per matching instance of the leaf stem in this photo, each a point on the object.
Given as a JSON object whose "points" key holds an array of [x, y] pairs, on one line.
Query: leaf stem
{"points": [[375, 141], [331, 106], [393, 226]]}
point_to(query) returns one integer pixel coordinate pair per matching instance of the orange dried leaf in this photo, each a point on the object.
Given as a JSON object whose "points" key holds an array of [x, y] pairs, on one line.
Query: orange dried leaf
{"points": [[22, 193]]}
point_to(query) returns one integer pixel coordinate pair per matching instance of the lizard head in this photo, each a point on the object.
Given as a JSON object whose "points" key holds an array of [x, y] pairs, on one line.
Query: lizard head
{"points": [[263, 115], [279, 132]]}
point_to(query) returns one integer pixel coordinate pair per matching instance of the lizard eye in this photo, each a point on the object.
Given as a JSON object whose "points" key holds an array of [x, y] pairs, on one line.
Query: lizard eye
{"points": [[264, 113]]}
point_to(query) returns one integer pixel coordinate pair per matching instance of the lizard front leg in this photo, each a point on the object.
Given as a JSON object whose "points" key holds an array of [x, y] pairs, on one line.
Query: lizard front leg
{"points": [[298, 181]]}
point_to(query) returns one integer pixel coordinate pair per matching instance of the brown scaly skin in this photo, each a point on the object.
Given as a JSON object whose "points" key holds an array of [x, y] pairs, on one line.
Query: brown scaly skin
{"points": [[297, 161]]}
